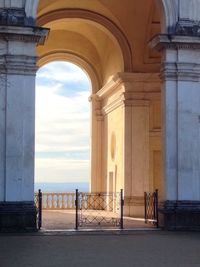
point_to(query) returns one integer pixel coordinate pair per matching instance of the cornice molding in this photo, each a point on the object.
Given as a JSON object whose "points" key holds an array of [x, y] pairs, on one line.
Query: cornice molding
{"points": [[24, 34], [124, 79], [18, 65], [168, 41], [183, 71]]}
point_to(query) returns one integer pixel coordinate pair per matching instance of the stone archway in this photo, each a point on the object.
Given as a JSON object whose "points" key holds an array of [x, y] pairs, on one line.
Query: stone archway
{"points": [[126, 104]]}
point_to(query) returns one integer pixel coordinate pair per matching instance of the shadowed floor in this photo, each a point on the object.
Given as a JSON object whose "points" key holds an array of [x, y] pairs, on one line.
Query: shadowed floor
{"points": [[65, 219]]}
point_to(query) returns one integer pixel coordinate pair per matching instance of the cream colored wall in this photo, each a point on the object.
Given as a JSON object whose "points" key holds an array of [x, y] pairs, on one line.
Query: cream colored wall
{"points": [[113, 154], [131, 109]]}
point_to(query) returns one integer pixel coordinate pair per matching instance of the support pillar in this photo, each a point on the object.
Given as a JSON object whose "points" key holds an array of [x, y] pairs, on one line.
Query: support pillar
{"points": [[17, 119], [96, 144], [181, 126]]}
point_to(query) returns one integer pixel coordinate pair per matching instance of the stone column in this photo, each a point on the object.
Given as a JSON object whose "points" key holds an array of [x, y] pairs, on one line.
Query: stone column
{"points": [[17, 117], [96, 144], [181, 130], [136, 154]]}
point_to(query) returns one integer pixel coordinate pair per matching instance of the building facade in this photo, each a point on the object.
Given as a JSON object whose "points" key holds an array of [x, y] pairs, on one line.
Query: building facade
{"points": [[143, 59]]}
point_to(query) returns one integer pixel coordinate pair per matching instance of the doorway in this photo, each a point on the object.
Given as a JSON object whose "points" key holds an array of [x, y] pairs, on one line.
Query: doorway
{"points": [[62, 145]]}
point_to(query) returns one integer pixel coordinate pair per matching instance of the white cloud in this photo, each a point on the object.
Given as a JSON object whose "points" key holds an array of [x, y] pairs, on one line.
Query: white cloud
{"points": [[60, 170], [63, 72], [62, 125]]}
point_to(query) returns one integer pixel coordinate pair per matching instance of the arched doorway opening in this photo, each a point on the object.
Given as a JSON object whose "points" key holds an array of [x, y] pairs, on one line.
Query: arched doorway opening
{"points": [[126, 98], [62, 149]]}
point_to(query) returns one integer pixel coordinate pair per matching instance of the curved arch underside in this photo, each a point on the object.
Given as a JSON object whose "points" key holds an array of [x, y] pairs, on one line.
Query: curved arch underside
{"points": [[109, 36], [106, 25]]}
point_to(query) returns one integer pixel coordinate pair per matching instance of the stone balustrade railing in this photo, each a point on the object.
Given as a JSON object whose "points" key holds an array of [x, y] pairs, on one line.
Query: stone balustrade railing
{"points": [[58, 201]]}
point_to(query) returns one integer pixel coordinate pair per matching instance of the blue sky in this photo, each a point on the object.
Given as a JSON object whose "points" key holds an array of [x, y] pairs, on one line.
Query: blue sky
{"points": [[62, 124]]}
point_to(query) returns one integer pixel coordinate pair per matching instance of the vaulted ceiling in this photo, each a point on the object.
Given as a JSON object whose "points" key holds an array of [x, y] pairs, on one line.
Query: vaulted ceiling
{"points": [[109, 35]]}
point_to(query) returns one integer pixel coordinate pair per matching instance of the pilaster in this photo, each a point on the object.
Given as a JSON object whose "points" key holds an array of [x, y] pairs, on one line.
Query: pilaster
{"points": [[96, 145], [180, 74], [129, 104], [18, 41]]}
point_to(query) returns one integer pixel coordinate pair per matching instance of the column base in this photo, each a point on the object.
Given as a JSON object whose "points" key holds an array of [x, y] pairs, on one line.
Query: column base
{"points": [[180, 215], [17, 216]]}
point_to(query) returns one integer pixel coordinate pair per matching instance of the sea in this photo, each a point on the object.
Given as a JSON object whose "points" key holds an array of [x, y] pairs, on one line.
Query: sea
{"points": [[62, 187]]}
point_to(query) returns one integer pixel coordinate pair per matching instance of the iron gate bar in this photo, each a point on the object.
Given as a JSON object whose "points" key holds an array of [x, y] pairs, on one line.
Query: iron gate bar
{"points": [[38, 205], [151, 208], [156, 208], [39, 209], [122, 210], [99, 209], [76, 205]]}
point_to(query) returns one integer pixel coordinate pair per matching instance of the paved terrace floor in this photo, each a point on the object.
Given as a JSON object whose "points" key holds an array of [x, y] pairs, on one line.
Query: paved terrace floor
{"points": [[131, 249], [65, 219]]}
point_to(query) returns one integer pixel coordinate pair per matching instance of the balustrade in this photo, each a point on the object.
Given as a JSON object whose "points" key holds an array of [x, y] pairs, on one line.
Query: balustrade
{"points": [[58, 201]]}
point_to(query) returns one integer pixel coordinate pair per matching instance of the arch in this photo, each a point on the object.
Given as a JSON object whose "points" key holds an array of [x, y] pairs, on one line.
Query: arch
{"points": [[75, 59], [106, 24]]}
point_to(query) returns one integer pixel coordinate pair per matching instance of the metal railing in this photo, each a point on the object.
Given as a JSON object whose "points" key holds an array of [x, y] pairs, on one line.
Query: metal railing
{"points": [[151, 208], [38, 205], [99, 209]]}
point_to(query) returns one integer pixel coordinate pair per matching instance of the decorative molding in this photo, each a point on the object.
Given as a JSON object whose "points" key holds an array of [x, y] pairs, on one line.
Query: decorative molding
{"points": [[108, 25], [12, 16], [167, 41], [122, 79], [183, 71], [113, 105], [24, 34], [20, 14], [135, 102], [187, 27], [18, 65]]}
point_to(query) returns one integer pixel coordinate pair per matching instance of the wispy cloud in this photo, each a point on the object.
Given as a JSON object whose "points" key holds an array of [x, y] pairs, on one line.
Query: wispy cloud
{"points": [[62, 170], [62, 122], [63, 72]]}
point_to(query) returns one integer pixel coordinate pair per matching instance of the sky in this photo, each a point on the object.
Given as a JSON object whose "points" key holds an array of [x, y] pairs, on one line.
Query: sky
{"points": [[62, 124]]}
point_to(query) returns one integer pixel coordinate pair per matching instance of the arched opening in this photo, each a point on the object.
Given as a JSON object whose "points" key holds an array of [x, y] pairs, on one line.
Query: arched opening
{"points": [[126, 97], [62, 144]]}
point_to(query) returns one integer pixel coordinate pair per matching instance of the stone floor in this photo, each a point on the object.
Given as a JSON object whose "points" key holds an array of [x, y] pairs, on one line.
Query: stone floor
{"points": [[65, 219], [131, 249]]}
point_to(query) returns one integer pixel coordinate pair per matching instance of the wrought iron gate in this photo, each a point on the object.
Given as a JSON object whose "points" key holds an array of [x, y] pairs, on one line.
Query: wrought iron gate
{"points": [[38, 205], [151, 208], [94, 210]]}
